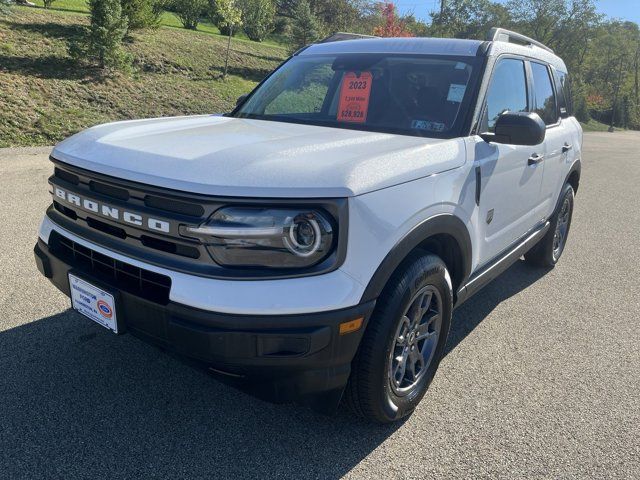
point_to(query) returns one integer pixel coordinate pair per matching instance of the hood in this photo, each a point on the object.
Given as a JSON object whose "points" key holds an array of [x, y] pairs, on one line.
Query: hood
{"points": [[255, 158]]}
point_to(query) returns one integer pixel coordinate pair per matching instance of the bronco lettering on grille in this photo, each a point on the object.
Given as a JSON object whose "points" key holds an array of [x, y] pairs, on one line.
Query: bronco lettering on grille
{"points": [[113, 213]]}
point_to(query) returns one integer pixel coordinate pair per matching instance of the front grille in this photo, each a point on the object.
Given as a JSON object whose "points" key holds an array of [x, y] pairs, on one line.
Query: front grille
{"points": [[138, 199], [123, 276]]}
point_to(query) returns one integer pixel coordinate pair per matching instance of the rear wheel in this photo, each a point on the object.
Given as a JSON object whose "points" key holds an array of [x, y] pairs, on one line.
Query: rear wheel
{"points": [[548, 250], [404, 342]]}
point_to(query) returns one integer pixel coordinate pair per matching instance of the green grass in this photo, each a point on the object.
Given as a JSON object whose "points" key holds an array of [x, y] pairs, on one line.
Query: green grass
{"points": [[595, 126], [68, 5], [45, 96], [168, 19]]}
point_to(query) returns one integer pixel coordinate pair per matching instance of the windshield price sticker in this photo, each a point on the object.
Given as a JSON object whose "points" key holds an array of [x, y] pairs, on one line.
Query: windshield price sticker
{"points": [[354, 97]]}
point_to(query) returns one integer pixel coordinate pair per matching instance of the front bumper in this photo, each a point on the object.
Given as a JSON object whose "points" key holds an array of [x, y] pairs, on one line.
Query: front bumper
{"points": [[281, 358]]}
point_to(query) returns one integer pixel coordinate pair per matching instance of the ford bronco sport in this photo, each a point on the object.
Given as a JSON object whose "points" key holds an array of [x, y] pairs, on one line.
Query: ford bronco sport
{"points": [[313, 243]]}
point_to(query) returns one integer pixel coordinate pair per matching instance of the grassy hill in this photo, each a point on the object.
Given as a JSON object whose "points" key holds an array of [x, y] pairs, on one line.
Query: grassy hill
{"points": [[45, 96]]}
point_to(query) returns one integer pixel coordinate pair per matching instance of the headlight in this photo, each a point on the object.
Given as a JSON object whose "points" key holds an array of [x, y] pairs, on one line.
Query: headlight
{"points": [[266, 237]]}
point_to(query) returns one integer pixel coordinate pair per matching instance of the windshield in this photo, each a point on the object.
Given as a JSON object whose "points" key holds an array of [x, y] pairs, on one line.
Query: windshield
{"points": [[411, 95]]}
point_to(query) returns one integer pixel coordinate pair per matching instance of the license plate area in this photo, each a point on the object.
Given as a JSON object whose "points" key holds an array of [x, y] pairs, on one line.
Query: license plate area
{"points": [[94, 302]]}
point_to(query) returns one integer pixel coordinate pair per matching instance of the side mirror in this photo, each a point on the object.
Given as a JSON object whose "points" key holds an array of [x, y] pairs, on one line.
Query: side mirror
{"points": [[241, 99], [517, 128]]}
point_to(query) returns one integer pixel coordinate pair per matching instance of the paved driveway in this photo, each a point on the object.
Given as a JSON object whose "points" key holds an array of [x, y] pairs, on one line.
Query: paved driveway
{"points": [[541, 378]]}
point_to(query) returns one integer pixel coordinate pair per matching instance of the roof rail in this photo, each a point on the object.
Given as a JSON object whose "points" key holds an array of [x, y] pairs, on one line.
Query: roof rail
{"points": [[339, 36], [504, 35]]}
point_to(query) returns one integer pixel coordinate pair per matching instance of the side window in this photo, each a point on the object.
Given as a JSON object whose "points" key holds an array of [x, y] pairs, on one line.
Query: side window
{"points": [[543, 91], [508, 90], [565, 88]]}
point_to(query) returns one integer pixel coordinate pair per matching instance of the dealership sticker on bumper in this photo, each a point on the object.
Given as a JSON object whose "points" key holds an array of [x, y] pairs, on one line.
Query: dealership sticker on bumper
{"points": [[93, 302]]}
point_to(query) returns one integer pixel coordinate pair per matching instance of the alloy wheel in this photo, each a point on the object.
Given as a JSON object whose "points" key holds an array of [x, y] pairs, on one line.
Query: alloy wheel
{"points": [[415, 340], [562, 227]]}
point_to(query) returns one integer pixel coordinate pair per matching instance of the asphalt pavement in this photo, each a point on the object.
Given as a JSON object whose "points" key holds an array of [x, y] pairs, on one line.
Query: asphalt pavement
{"points": [[541, 378]]}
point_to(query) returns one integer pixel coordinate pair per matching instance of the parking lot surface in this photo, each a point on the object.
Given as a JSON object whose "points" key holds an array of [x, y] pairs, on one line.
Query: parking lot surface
{"points": [[541, 378]]}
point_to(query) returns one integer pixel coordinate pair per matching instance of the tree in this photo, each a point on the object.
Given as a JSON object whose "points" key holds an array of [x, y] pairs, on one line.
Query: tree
{"points": [[392, 25], [608, 73], [468, 18], [102, 41], [332, 15], [142, 13], [230, 17], [417, 27], [190, 11], [304, 28], [257, 18]]}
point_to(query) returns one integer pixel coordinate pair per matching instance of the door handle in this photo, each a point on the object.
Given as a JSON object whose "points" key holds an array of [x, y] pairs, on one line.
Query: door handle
{"points": [[535, 159], [566, 147]]}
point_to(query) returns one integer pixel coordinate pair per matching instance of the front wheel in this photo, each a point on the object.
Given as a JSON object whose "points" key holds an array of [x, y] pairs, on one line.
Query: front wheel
{"points": [[548, 250], [404, 342]]}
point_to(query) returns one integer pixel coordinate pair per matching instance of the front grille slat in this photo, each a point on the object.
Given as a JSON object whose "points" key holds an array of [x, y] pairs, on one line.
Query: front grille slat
{"points": [[66, 176], [137, 281], [109, 190], [106, 228], [174, 206]]}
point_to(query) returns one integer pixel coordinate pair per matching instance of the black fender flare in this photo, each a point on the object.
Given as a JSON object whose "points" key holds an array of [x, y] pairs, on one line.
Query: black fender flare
{"points": [[576, 167], [439, 224]]}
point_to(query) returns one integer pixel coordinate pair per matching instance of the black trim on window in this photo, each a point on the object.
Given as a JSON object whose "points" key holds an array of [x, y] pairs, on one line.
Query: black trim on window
{"points": [[483, 122], [553, 88]]}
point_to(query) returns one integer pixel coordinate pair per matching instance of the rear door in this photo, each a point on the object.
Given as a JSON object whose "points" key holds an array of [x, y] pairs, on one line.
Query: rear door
{"points": [[558, 144], [510, 186]]}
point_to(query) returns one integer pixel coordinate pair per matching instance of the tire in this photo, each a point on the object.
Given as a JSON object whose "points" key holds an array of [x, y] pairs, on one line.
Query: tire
{"points": [[548, 250], [379, 388]]}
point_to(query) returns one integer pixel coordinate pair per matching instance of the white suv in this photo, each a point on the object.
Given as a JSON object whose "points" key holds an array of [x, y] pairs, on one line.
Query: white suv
{"points": [[312, 244]]}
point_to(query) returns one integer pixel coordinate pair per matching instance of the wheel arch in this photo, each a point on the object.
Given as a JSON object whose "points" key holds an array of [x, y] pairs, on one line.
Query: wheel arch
{"points": [[444, 235], [573, 177]]}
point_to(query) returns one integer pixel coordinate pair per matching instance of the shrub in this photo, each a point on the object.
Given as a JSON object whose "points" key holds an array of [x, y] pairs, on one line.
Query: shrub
{"points": [[581, 111], [4, 7], [257, 18], [102, 41], [392, 26], [190, 11], [225, 30], [142, 13]]}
